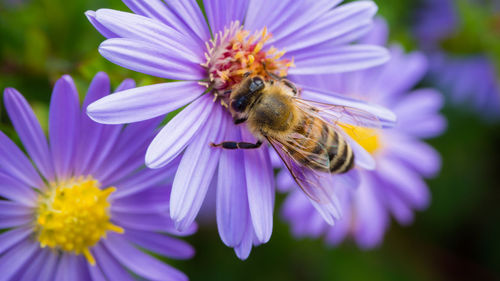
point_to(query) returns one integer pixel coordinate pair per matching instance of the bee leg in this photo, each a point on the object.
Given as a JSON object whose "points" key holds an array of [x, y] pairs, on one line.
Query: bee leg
{"points": [[272, 75], [237, 145], [246, 74], [291, 86]]}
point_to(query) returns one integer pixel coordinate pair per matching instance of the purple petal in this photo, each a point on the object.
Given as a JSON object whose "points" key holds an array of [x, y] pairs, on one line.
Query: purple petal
{"points": [[109, 265], [32, 272], [139, 262], [179, 132], [379, 33], [149, 222], [161, 244], [8, 208], [17, 257], [418, 114], [15, 190], [340, 59], [96, 274], [338, 26], [48, 269], [190, 12], [221, 13], [91, 16], [143, 103], [14, 163], [151, 200], [195, 171], [28, 128], [14, 236], [151, 59], [9, 221], [419, 155], [404, 181], [99, 87], [157, 9], [260, 190], [132, 26], [64, 125], [232, 200], [65, 270], [245, 247], [371, 217]]}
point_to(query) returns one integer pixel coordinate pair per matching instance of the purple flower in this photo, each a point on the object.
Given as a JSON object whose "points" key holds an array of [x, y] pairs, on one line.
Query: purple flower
{"points": [[435, 20], [396, 186], [172, 40], [80, 206], [471, 80]]}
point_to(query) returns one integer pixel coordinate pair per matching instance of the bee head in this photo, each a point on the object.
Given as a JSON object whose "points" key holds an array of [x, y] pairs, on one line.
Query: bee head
{"points": [[244, 96]]}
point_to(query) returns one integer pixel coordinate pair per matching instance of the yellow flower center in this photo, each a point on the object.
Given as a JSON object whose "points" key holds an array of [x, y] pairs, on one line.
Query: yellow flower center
{"points": [[74, 215], [235, 52], [367, 138]]}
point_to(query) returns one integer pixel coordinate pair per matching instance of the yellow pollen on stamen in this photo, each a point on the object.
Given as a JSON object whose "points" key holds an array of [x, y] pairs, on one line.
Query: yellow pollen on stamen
{"points": [[73, 216], [368, 138], [235, 52]]}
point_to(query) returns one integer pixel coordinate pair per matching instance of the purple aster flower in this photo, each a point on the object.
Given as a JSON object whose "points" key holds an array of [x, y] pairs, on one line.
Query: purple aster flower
{"points": [[170, 39], [435, 20], [82, 204], [460, 75], [396, 186]]}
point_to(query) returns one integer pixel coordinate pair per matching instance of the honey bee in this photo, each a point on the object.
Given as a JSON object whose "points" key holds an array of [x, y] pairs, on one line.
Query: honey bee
{"points": [[306, 135]]}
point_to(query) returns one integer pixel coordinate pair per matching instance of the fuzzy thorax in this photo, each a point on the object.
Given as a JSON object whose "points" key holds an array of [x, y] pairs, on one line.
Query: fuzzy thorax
{"points": [[73, 216]]}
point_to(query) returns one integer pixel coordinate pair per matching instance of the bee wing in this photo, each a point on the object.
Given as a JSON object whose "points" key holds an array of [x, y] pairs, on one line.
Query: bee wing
{"points": [[340, 113], [316, 185], [360, 113], [344, 118]]}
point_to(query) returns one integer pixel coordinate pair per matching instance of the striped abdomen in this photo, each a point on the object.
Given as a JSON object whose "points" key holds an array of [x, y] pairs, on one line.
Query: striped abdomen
{"points": [[319, 139]]}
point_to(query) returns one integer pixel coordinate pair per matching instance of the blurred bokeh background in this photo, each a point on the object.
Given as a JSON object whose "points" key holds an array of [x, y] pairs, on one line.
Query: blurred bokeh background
{"points": [[456, 238]]}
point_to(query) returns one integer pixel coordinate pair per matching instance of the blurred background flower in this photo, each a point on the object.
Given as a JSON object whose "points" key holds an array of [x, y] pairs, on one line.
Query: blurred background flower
{"points": [[395, 187], [456, 238]]}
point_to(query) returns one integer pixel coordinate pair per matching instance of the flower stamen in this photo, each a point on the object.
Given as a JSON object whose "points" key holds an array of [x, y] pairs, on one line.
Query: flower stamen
{"points": [[74, 215]]}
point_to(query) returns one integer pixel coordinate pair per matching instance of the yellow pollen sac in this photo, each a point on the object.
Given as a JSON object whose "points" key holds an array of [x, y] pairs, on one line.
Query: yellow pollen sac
{"points": [[73, 216], [367, 138]]}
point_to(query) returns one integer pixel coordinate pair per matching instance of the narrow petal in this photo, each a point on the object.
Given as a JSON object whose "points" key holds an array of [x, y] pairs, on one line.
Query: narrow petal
{"points": [[91, 16], [17, 191], [49, 266], [10, 221], [232, 201], [195, 171], [260, 190], [96, 273], [221, 13], [143, 103], [139, 262], [245, 247], [14, 163], [147, 222], [340, 59], [190, 12], [30, 132], [64, 125], [109, 265], [161, 244], [132, 26], [14, 236], [9, 208], [14, 259], [32, 272], [151, 59], [338, 26], [65, 270], [179, 132], [99, 87], [158, 10]]}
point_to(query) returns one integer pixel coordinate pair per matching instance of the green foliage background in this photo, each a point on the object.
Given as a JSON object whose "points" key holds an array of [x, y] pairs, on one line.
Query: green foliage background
{"points": [[457, 238]]}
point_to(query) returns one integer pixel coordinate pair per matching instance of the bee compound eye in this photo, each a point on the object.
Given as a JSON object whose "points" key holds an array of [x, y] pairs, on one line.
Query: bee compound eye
{"points": [[238, 105]]}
